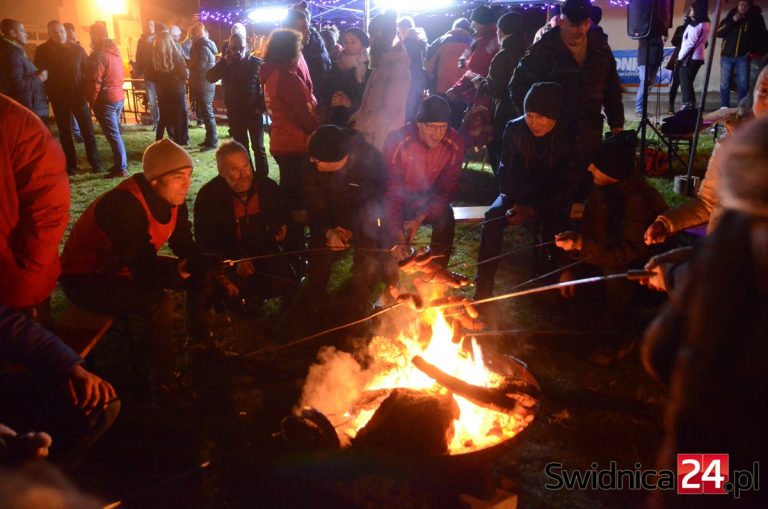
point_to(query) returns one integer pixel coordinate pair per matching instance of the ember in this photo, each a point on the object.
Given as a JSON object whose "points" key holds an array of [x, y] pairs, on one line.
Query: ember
{"points": [[350, 395]]}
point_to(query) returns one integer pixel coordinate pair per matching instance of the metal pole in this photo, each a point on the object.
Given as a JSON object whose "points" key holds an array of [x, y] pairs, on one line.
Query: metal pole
{"points": [[710, 56], [366, 14]]}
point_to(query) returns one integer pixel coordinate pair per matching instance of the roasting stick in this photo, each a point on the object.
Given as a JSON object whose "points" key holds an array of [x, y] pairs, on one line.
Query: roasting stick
{"points": [[316, 250], [502, 255], [631, 275], [321, 333]]}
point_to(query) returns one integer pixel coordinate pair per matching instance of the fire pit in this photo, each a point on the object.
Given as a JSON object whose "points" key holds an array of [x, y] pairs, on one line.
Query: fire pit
{"points": [[494, 396]]}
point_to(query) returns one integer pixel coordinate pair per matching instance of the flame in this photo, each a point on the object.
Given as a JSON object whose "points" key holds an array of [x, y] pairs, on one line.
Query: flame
{"points": [[476, 428]]}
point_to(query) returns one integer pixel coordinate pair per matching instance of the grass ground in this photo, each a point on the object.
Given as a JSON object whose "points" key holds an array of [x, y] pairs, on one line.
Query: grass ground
{"points": [[587, 414]]}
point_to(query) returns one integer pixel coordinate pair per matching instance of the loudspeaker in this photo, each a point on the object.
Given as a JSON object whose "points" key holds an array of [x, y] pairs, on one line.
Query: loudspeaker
{"points": [[640, 15], [649, 18]]}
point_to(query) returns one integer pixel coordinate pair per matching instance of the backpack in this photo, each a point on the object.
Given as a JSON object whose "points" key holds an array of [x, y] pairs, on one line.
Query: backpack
{"points": [[476, 127]]}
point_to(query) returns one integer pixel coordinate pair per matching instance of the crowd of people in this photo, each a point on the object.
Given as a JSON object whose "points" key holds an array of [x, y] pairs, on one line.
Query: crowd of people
{"points": [[366, 137]]}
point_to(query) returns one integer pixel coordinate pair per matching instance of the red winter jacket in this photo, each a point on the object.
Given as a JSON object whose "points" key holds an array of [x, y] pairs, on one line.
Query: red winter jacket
{"points": [[292, 107], [104, 74], [421, 179], [34, 206]]}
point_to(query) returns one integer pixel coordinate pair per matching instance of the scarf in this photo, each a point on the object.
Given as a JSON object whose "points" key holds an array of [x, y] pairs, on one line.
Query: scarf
{"points": [[357, 62]]}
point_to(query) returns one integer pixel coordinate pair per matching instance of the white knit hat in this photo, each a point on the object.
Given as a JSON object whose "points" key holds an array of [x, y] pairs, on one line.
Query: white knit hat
{"points": [[163, 157]]}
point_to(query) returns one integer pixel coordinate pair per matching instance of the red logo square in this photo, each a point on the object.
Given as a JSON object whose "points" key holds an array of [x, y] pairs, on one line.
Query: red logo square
{"points": [[702, 474]]}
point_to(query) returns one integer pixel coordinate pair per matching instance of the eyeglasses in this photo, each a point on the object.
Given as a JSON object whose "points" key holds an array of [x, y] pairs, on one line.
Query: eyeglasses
{"points": [[436, 127]]}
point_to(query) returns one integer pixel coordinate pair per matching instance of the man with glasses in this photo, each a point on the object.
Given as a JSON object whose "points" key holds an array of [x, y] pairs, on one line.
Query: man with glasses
{"points": [[424, 159]]}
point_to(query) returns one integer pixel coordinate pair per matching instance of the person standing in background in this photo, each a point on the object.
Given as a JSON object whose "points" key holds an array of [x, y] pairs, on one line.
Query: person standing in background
{"points": [[65, 63], [170, 73], [202, 57], [19, 78], [143, 63], [692, 52], [677, 42]]}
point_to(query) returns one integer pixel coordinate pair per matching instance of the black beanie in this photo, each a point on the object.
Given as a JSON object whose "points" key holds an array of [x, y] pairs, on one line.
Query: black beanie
{"points": [[616, 156], [510, 23], [360, 34], [433, 109], [577, 10], [544, 98], [483, 15], [329, 144]]}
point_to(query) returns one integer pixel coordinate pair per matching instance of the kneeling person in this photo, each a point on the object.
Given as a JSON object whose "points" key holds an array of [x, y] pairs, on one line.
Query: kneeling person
{"points": [[240, 214], [344, 180], [537, 174], [110, 262]]}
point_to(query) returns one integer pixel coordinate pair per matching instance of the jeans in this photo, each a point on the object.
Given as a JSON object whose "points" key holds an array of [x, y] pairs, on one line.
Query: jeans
{"points": [[554, 219], [729, 65], [687, 77], [204, 111], [653, 76], [108, 115], [152, 100], [76, 127], [290, 167], [69, 111], [243, 127]]}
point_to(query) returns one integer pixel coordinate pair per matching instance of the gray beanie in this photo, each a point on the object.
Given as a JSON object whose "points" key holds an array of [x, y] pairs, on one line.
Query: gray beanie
{"points": [[163, 157]]}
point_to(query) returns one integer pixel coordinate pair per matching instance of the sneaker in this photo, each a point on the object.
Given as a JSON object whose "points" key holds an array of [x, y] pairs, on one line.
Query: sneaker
{"points": [[114, 174], [208, 148]]}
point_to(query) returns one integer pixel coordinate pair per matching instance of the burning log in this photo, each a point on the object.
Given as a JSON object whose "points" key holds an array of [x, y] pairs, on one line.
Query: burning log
{"points": [[411, 422], [494, 399]]}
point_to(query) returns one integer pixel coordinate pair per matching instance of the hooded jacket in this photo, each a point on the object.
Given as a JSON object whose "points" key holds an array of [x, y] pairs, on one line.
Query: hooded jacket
{"points": [[104, 74], [202, 57], [421, 179], [18, 78], [318, 62], [615, 219], [291, 105], [143, 54], [34, 208], [744, 36], [442, 59], [382, 109], [587, 89], [500, 72]]}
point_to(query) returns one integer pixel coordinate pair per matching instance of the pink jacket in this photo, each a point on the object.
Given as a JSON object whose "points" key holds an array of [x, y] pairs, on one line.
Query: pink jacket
{"points": [[442, 63]]}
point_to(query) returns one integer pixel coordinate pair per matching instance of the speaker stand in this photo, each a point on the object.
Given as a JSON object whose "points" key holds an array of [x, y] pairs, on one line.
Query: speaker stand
{"points": [[644, 121]]}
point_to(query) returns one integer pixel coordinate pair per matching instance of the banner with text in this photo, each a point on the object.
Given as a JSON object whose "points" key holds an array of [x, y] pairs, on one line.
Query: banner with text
{"points": [[626, 65]]}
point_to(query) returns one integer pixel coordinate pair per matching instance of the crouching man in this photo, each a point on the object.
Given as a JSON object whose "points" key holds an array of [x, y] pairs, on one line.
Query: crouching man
{"points": [[424, 161], [240, 214], [616, 212], [344, 180], [111, 265]]}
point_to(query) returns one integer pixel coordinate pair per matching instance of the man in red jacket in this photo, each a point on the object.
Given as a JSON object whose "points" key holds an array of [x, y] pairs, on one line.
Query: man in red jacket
{"points": [[104, 91], [424, 159], [34, 208]]}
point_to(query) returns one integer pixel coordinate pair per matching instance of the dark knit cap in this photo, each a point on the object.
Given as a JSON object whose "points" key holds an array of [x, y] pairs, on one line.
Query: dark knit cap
{"points": [[577, 10], [544, 98], [510, 23], [433, 109], [360, 34], [483, 15], [462, 23], [329, 144], [616, 156]]}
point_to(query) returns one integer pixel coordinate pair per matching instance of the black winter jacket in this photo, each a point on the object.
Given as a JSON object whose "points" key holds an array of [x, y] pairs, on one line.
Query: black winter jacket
{"points": [[202, 57], [615, 219], [502, 67], [344, 81], [319, 65], [215, 226], [65, 64], [586, 90], [539, 171], [18, 78], [352, 197], [744, 36], [243, 95], [143, 61]]}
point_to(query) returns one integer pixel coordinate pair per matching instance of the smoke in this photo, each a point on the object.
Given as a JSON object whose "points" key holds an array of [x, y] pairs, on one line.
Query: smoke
{"points": [[334, 383]]}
